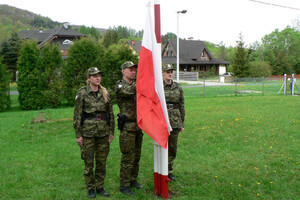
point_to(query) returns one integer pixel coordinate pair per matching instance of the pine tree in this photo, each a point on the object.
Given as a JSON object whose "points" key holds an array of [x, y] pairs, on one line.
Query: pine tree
{"points": [[5, 102], [29, 81], [240, 61]]}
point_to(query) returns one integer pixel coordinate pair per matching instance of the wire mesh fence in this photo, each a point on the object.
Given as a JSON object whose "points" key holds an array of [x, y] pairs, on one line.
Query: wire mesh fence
{"points": [[240, 86]]}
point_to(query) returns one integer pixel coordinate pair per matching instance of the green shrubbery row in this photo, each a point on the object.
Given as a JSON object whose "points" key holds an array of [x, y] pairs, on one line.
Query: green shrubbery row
{"points": [[45, 80]]}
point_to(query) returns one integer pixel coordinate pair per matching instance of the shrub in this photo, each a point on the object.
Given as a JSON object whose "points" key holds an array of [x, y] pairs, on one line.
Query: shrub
{"points": [[260, 69], [4, 87], [29, 81]]}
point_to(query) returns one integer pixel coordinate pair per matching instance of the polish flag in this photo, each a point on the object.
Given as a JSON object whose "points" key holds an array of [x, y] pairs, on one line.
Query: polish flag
{"points": [[152, 114]]}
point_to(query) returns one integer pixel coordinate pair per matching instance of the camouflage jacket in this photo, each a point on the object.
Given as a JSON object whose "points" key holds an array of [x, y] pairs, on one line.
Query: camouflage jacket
{"points": [[87, 103], [126, 98], [175, 104]]}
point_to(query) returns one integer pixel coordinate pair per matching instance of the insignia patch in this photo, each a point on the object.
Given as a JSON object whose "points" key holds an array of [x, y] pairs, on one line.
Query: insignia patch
{"points": [[119, 86]]}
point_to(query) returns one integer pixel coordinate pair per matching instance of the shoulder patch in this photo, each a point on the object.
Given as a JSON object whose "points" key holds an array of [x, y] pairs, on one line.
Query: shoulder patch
{"points": [[120, 85]]}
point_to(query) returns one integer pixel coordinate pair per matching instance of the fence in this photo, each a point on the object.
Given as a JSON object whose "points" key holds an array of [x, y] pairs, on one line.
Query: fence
{"points": [[237, 86]]}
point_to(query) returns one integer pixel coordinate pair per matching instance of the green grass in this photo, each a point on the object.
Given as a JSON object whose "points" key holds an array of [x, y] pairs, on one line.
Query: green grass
{"points": [[244, 147]]}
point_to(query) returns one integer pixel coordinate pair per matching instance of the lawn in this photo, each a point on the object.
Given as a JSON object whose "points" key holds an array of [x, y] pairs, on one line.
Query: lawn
{"points": [[244, 147]]}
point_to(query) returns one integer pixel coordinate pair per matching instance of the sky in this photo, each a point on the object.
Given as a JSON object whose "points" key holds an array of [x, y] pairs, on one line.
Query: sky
{"points": [[215, 21]]}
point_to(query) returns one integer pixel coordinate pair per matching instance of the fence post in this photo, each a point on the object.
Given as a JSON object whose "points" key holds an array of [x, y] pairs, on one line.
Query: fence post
{"points": [[235, 92], [204, 86], [263, 85], [284, 87]]}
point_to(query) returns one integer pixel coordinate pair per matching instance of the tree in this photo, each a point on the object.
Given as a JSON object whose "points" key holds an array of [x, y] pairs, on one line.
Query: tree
{"points": [[114, 57], [168, 36], [4, 87], [10, 50], [51, 80], [110, 37], [83, 54], [240, 61], [282, 49], [29, 81]]}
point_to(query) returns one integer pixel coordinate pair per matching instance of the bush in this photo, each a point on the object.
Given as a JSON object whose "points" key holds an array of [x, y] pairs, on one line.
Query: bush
{"points": [[29, 81], [5, 102], [260, 69]]}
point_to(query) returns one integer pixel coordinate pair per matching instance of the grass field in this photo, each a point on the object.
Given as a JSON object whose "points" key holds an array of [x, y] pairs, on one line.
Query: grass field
{"points": [[244, 147]]}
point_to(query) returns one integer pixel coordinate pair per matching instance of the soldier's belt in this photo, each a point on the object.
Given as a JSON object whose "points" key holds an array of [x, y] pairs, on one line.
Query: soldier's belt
{"points": [[172, 106], [96, 116]]}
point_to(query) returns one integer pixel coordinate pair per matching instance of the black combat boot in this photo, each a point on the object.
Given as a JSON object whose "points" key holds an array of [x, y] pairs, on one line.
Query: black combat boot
{"points": [[126, 190], [171, 177], [92, 193], [102, 192], [136, 184]]}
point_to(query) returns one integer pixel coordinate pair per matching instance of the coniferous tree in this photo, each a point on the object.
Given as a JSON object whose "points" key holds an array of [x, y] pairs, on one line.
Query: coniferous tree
{"points": [[52, 83], [5, 102], [83, 54], [10, 50], [29, 81], [240, 61]]}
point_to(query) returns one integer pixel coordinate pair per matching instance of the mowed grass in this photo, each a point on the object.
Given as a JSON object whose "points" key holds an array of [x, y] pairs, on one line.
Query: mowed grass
{"points": [[232, 148]]}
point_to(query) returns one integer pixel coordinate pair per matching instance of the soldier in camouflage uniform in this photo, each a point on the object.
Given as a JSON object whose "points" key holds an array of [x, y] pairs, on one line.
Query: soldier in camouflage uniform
{"points": [[175, 105], [131, 136], [94, 128]]}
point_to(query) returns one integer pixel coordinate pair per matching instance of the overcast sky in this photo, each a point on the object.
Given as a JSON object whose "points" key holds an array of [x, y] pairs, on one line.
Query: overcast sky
{"points": [[209, 20]]}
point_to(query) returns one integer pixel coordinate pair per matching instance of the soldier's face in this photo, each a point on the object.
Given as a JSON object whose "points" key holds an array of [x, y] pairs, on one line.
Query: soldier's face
{"points": [[95, 79], [129, 73], [168, 75]]}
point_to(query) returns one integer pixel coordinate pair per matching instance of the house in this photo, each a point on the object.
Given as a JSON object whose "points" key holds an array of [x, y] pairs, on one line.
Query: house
{"points": [[64, 36], [194, 55]]}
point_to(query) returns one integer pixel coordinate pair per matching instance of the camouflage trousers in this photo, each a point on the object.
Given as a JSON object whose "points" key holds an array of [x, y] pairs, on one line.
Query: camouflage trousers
{"points": [[131, 148], [95, 148], [172, 148]]}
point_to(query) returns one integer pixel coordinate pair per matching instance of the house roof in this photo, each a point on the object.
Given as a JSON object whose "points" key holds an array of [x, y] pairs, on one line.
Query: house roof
{"points": [[42, 37], [190, 51]]}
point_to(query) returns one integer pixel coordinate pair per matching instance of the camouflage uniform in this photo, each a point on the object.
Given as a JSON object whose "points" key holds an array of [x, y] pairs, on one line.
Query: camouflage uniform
{"points": [[175, 104], [90, 122], [131, 136]]}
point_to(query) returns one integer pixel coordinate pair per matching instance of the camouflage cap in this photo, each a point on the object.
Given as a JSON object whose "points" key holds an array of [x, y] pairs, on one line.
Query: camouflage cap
{"points": [[128, 64], [92, 70], [167, 67]]}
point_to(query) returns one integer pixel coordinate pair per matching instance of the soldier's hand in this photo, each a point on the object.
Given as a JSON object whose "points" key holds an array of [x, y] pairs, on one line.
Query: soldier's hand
{"points": [[79, 141], [182, 129], [111, 138]]}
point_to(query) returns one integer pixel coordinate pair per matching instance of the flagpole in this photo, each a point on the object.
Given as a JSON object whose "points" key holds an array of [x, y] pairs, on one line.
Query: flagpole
{"points": [[161, 178]]}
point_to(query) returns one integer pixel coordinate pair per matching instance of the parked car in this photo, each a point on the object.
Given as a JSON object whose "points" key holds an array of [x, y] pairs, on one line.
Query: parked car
{"points": [[228, 74]]}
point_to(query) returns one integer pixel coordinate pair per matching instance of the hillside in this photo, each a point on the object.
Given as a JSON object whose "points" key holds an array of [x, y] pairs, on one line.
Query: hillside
{"points": [[15, 19]]}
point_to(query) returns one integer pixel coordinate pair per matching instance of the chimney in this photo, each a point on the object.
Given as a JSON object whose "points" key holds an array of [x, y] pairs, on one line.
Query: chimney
{"points": [[132, 42]]}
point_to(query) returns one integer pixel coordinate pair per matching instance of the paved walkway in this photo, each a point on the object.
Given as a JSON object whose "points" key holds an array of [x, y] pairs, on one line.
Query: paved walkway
{"points": [[207, 83]]}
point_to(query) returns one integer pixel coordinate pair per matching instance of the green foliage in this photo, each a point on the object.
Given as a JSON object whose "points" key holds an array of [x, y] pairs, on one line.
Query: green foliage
{"points": [[240, 61], [10, 49], [83, 54], [4, 87], [260, 69], [91, 32], [52, 83], [114, 57], [167, 36], [282, 49], [29, 81], [44, 22]]}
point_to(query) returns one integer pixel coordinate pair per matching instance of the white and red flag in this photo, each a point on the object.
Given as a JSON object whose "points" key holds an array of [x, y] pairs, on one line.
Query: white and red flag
{"points": [[152, 114]]}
